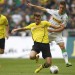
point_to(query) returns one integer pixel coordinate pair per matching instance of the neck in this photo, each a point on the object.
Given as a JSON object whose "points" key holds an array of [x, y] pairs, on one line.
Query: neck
{"points": [[37, 23], [0, 14], [61, 13]]}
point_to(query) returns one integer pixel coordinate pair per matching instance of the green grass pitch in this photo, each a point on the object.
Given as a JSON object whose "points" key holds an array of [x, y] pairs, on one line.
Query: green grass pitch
{"points": [[27, 67]]}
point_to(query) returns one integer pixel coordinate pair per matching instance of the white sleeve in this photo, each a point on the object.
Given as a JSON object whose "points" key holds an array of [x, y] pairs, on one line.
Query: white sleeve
{"points": [[65, 20], [50, 11]]}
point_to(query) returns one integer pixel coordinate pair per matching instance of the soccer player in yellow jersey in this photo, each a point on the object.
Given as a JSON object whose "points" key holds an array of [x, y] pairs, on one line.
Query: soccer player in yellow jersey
{"points": [[58, 17], [4, 32], [40, 38]]}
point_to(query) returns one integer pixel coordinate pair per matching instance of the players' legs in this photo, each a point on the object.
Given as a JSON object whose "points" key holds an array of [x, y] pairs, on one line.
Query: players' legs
{"points": [[47, 57], [37, 58], [2, 45], [1, 51], [60, 42], [35, 51], [46, 54], [48, 62], [33, 55], [64, 53]]}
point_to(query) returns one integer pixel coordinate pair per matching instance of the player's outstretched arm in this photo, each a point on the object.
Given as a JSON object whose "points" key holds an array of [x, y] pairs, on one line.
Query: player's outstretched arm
{"points": [[38, 7], [61, 28], [55, 26], [19, 29]]}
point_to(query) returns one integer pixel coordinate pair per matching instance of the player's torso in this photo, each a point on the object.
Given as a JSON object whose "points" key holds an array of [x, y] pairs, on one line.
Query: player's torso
{"points": [[2, 26], [40, 28], [40, 33], [56, 19]]}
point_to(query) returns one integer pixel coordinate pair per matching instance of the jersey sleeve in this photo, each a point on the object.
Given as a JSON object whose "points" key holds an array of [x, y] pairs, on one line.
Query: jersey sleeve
{"points": [[48, 24], [6, 21], [29, 26], [50, 11], [65, 20]]}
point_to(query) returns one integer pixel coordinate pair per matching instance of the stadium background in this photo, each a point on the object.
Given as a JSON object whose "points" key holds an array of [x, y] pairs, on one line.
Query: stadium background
{"points": [[20, 15], [19, 44]]}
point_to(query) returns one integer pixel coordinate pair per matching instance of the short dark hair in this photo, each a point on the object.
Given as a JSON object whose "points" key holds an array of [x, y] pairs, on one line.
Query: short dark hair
{"points": [[37, 14], [62, 3]]}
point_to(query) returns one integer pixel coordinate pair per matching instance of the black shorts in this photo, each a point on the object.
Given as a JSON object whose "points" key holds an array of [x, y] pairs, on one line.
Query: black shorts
{"points": [[44, 48], [2, 43]]}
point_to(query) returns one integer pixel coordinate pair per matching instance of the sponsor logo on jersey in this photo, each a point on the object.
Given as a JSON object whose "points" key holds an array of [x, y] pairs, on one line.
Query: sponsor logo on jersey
{"points": [[58, 21]]}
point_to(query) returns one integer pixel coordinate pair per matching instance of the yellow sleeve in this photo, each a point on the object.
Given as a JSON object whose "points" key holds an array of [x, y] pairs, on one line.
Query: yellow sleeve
{"points": [[29, 26], [6, 21], [47, 23], [1, 1]]}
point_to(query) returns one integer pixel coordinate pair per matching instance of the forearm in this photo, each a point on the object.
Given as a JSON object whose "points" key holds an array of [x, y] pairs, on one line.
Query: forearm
{"points": [[20, 29], [58, 30], [7, 29], [55, 26], [39, 7]]}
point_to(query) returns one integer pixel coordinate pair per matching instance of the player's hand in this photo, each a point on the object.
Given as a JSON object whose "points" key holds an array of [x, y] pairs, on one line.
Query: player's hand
{"points": [[14, 30], [29, 4], [61, 25]]}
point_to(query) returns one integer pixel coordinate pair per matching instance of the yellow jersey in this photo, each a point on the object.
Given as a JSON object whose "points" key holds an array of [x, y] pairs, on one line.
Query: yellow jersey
{"points": [[40, 33], [3, 24], [2, 1]]}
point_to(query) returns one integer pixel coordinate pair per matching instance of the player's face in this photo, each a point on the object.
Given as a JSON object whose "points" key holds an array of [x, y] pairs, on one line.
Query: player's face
{"points": [[61, 8], [37, 19]]}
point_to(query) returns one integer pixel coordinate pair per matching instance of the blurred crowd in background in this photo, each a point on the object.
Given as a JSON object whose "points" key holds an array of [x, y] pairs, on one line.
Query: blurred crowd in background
{"points": [[20, 15]]}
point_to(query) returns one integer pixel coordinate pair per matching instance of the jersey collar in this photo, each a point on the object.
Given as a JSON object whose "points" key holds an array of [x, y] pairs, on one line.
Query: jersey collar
{"points": [[62, 13]]}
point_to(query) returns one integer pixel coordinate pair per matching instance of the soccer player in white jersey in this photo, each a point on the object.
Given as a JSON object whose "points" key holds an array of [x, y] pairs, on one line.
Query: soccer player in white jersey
{"points": [[58, 17]]}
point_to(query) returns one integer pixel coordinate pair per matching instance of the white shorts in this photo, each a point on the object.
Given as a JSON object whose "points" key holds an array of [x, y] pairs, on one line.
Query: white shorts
{"points": [[57, 39]]}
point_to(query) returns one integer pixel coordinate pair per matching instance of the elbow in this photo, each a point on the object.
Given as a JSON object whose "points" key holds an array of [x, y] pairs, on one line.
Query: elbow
{"points": [[62, 28]]}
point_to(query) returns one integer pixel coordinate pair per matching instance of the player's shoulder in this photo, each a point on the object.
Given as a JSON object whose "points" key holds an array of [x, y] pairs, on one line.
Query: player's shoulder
{"points": [[3, 16], [65, 15], [32, 24], [44, 22]]}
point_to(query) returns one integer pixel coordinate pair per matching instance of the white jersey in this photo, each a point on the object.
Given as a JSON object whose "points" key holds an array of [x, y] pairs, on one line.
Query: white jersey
{"points": [[57, 19]]}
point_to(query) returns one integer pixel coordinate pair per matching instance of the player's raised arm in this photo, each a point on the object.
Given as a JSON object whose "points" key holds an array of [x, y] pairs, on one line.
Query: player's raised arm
{"points": [[38, 7]]}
